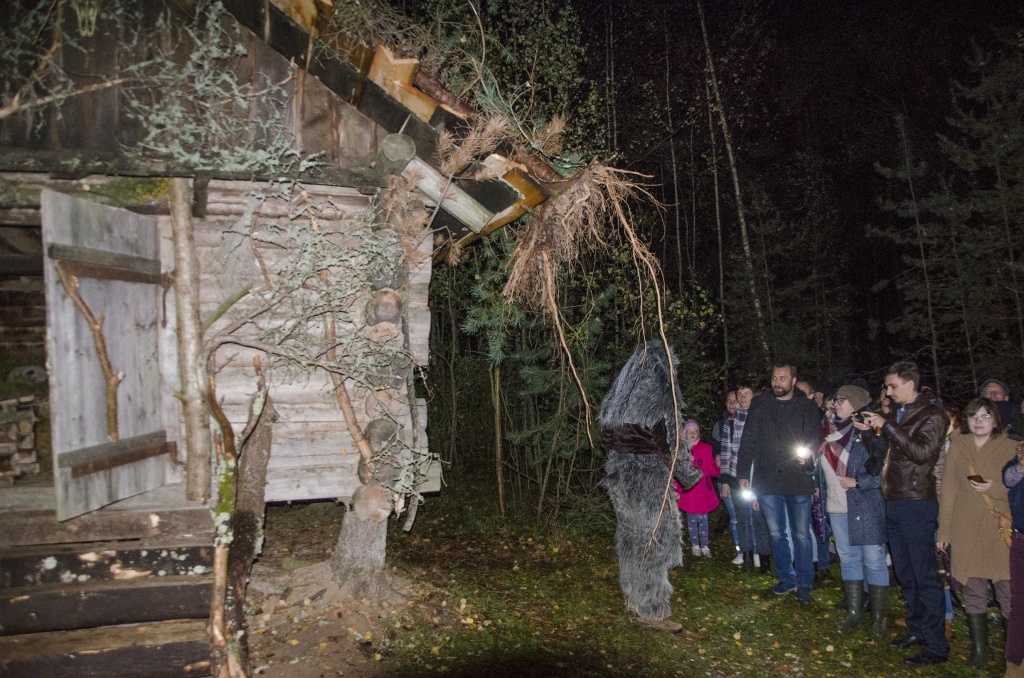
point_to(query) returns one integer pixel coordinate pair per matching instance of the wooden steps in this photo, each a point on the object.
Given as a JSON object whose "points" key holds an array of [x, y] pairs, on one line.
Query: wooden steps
{"points": [[129, 597], [170, 648]]}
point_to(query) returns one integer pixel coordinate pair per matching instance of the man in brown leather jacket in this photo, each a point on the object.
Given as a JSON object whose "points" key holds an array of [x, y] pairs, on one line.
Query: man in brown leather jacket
{"points": [[916, 432]]}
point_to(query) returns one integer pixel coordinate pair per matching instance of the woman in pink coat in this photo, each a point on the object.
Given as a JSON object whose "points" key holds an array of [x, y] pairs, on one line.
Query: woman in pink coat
{"points": [[701, 499]]}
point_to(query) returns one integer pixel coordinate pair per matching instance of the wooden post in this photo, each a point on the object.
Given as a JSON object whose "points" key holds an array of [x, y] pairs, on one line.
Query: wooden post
{"points": [[191, 369], [395, 153]]}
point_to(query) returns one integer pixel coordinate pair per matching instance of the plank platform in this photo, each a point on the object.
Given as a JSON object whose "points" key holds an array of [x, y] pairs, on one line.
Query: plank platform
{"points": [[60, 607], [114, 560], [30, 518], [171, 648]]}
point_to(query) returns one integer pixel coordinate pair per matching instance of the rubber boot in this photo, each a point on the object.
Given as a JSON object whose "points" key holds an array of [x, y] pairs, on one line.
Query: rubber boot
{"points": [[748, 562], [854, 590], [977, 624], [879, 596], [766, 564]]}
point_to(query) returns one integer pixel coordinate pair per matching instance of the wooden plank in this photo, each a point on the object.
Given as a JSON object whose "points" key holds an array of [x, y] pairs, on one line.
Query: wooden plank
{"points": [[129, 457], [21, 264], [40, 526], [453, 199], [101, 259], [60, 607], [104, 162], [102, 451], [65, 563], [131, 319], [387, 68], [178, 648]]}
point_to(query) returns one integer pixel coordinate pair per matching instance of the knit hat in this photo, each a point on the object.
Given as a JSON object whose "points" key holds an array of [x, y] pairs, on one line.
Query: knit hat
{"points": [[1002, 384], [855, 395], [691, 423]]}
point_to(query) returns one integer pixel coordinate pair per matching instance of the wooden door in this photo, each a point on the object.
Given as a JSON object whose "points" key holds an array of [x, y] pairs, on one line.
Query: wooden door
{"points": [[108, 440]]}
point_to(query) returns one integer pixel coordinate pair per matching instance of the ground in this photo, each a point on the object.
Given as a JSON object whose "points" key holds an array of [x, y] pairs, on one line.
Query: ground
{"points": [[477, 594]]}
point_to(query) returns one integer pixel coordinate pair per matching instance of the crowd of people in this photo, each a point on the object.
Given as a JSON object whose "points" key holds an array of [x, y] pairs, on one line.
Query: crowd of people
{"points": [[901, 479], [801, 471]]}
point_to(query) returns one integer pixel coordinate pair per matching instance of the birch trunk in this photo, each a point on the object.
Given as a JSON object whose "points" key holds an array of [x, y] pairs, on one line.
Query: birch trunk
{"points": [[191, 370], [740, 212]]}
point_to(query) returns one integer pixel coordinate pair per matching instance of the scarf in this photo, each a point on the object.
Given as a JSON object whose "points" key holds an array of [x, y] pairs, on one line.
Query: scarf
{"points": [[836, 445]]}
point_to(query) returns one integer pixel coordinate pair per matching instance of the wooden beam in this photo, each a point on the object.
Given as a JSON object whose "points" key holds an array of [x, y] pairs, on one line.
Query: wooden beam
{"points": [[179, 648], [86, 162], [452, 199], [103, 259], [40, 526], [108, 560], [21, 264], [103, 603]]}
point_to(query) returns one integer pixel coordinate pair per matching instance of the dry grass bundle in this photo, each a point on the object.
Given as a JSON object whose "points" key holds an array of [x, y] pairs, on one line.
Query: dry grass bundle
{"points": [[483, 136], [584, 213], [549, 140]]}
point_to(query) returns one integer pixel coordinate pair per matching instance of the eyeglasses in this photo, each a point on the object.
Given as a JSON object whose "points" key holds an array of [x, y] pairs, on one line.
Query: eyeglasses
{"points": [[981, 416], [838, 400]]}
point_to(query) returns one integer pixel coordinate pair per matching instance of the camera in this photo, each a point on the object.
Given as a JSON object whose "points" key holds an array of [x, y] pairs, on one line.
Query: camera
{"points": [[861, 417]]}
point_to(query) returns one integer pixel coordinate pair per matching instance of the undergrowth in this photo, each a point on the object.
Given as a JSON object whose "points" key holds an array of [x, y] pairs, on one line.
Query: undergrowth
{"points": [[544, 600]]}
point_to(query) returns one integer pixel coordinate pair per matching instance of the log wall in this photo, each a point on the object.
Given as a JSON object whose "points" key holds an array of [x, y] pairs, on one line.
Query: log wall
{"points": [[313, 455]]}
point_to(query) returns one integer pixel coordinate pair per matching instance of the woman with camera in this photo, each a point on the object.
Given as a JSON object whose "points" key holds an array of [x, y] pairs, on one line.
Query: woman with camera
{"points": [[852, 497], [970, 508]]}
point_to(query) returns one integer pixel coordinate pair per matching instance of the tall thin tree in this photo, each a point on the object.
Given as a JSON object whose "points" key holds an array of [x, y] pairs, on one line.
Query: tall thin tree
{"points": [[740, 213]]}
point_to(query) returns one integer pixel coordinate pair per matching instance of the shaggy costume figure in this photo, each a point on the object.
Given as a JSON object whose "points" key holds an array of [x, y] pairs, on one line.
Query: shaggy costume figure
{"points": [[638, 432]]}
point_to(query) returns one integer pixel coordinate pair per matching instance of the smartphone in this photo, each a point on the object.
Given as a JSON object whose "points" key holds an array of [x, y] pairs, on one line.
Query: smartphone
{"points": [[976, 479]]}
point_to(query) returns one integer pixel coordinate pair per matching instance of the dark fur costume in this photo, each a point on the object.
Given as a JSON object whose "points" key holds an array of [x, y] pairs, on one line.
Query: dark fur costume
{"points": [[641, 395]]}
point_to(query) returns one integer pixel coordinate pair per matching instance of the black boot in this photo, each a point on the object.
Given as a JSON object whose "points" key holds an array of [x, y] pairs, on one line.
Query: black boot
{"points": [[977, 624], [766, 564], [879, 597], [854, 590], [748, 562]]}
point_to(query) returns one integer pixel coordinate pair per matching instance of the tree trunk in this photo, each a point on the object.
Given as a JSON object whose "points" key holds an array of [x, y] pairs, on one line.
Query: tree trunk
{"points": [[672, 156], [613, 127], [919, 230], [247, 518], [358, 559], [964, 318], [740, 213], [191, 370], [721, 249], [499, 465], [1014, 285]]}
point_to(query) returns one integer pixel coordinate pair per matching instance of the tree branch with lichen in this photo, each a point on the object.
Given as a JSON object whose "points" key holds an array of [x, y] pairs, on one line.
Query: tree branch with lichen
{"points": [[111, 379]]}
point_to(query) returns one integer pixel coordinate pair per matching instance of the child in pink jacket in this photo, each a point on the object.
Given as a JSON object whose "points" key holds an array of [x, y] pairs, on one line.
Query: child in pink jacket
{"points": [[701, 499]]}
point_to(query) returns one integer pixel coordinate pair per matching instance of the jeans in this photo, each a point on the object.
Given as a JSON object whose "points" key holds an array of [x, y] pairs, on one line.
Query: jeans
{"points": [[911, 525], [792, 569], [731, 510], [857, 561], [751, 530]]}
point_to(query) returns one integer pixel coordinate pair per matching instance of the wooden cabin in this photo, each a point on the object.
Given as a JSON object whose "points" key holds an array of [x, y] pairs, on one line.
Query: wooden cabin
{"points": [[104, 563]]}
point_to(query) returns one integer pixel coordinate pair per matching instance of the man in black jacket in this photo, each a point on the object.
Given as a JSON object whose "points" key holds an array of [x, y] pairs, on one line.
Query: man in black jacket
{"points": [[779, 439], [916, 432]]}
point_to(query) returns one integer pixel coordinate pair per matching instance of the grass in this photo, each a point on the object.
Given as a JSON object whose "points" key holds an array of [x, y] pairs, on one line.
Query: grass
{"points": [[21, 387], [514, 599]]}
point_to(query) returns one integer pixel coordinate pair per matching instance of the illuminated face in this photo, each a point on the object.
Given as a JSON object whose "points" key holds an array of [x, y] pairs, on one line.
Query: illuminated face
{"points": [[730, 402], [843, 407], [691, 435], [744, 396], [782, 382], [902, 392], [806, 388], [994, 392], [981, 423]]}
